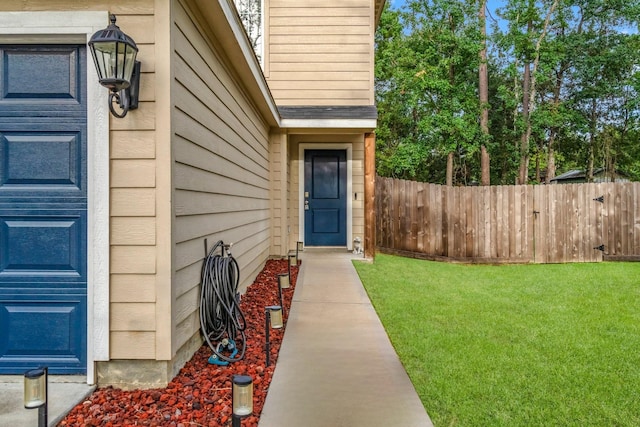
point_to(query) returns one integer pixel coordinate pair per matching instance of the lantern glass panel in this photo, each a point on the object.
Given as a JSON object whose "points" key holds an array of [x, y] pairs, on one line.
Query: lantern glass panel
{"points": [[284, 280], [276, 317], [129, 61], [35, 389], [242, 395]]}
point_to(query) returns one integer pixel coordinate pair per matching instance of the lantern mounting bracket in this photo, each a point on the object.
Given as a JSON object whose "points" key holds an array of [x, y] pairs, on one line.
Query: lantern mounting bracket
{"points": [[127, 99]]}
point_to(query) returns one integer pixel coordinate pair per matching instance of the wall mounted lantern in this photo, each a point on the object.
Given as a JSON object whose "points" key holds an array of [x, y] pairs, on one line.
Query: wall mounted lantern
{"points": [[241, 398], [114, 55], [35, 393]]}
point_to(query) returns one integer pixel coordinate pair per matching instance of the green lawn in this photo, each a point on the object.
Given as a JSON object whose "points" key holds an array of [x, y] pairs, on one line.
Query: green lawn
{"points": [[514, 345]]}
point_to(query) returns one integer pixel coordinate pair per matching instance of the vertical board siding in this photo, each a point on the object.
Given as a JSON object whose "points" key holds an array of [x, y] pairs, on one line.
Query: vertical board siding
{"points": [[524, 223], [220, 169], [320, 53]]}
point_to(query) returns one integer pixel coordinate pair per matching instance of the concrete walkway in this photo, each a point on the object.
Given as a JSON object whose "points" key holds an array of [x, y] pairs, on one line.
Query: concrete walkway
{"points": [[336, 365]]}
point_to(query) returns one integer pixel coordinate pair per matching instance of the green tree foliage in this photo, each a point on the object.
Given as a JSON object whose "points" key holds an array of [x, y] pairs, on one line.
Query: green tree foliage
{"points": [[584, 86], [426, 85]]}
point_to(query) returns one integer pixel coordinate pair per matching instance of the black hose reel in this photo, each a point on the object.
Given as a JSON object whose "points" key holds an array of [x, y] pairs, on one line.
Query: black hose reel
{"points": [[221, 321]]}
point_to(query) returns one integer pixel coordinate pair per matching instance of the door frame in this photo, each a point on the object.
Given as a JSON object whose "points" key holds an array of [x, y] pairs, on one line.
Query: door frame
{"points": [[77, 28], [348, 147]]}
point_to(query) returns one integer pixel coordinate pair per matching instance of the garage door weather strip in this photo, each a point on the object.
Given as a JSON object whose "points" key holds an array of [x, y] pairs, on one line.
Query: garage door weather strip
{"points": [[221, 320]]}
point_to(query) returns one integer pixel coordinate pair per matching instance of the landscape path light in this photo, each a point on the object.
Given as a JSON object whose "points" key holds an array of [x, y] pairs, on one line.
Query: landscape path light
{"points": [[299, 248], [241, 398], [35, 393], [273, 316], [282, 278]]}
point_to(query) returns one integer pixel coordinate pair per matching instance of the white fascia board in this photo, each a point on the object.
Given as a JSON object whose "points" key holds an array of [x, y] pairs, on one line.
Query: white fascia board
{"points": [[328, 123]]}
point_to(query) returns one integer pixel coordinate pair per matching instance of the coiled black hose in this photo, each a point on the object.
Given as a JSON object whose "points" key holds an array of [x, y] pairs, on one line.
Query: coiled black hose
{"points": [[220, 314]]}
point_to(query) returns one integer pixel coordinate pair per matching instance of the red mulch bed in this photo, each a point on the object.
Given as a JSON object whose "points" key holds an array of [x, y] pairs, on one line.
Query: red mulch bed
{"points": [[200, 395]]}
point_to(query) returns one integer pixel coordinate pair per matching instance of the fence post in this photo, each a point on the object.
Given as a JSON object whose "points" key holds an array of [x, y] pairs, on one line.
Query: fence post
{"points": [[369, 195]]}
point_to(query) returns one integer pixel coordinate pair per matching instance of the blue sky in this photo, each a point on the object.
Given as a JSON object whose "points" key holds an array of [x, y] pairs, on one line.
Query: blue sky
{"points": [[491, 4], [397, 3]]}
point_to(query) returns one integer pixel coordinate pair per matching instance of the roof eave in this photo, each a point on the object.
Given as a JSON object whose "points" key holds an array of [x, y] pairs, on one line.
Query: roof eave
{"points": [[225, 23], [354, 125]]}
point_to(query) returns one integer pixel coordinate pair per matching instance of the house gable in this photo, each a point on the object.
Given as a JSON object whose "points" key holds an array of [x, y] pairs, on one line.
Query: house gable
{"points": [[320, 52]]}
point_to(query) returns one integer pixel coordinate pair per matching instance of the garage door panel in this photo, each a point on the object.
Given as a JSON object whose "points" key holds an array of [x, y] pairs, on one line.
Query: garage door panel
{"points": [[37, 81], [40, 159], [49, 247], [42, 328], [31, 73]]}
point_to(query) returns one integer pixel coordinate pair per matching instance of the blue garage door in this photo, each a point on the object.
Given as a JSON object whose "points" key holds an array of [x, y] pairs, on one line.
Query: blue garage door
{"points": [[43, 208]]}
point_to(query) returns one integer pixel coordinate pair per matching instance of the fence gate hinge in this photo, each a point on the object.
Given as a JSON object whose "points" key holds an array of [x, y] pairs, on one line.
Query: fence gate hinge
{"points": [[599, 199], [600, 248]]}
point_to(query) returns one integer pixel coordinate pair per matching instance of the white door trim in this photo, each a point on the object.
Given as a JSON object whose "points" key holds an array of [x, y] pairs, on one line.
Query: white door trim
{"points": [[78, 27], [325, 146]]}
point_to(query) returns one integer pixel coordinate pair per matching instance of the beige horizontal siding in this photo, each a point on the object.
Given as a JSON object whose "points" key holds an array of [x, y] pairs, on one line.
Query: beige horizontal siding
{"points": [[282, 8], [220, 169], [133, 288], [133, 173], [329, 86], [123, 343], [320, 53], [133, 145], [285, 30], [326, 59], [139, 27], [335, 48], [319, 19], [133, 259], [118, 7], [133, 202], [323, 96], [133, 231], [143, 119], [133, 316], [313, 39], [321, 3]]}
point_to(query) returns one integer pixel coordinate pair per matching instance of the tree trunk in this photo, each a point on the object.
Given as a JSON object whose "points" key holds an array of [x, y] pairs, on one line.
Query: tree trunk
{"points": [[450, 169], [537, 179], [592, 139], [524, 140], [484, 165], [529, 102], [483, 94], [551, 163]]}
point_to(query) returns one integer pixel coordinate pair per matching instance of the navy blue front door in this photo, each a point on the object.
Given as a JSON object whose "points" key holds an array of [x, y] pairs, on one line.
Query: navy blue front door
{"points": [[43, 208], [325, 198]]}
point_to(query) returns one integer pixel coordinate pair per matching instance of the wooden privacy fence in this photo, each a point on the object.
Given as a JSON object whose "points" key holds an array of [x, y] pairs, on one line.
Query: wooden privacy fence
{"points": [[520, 223]]}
